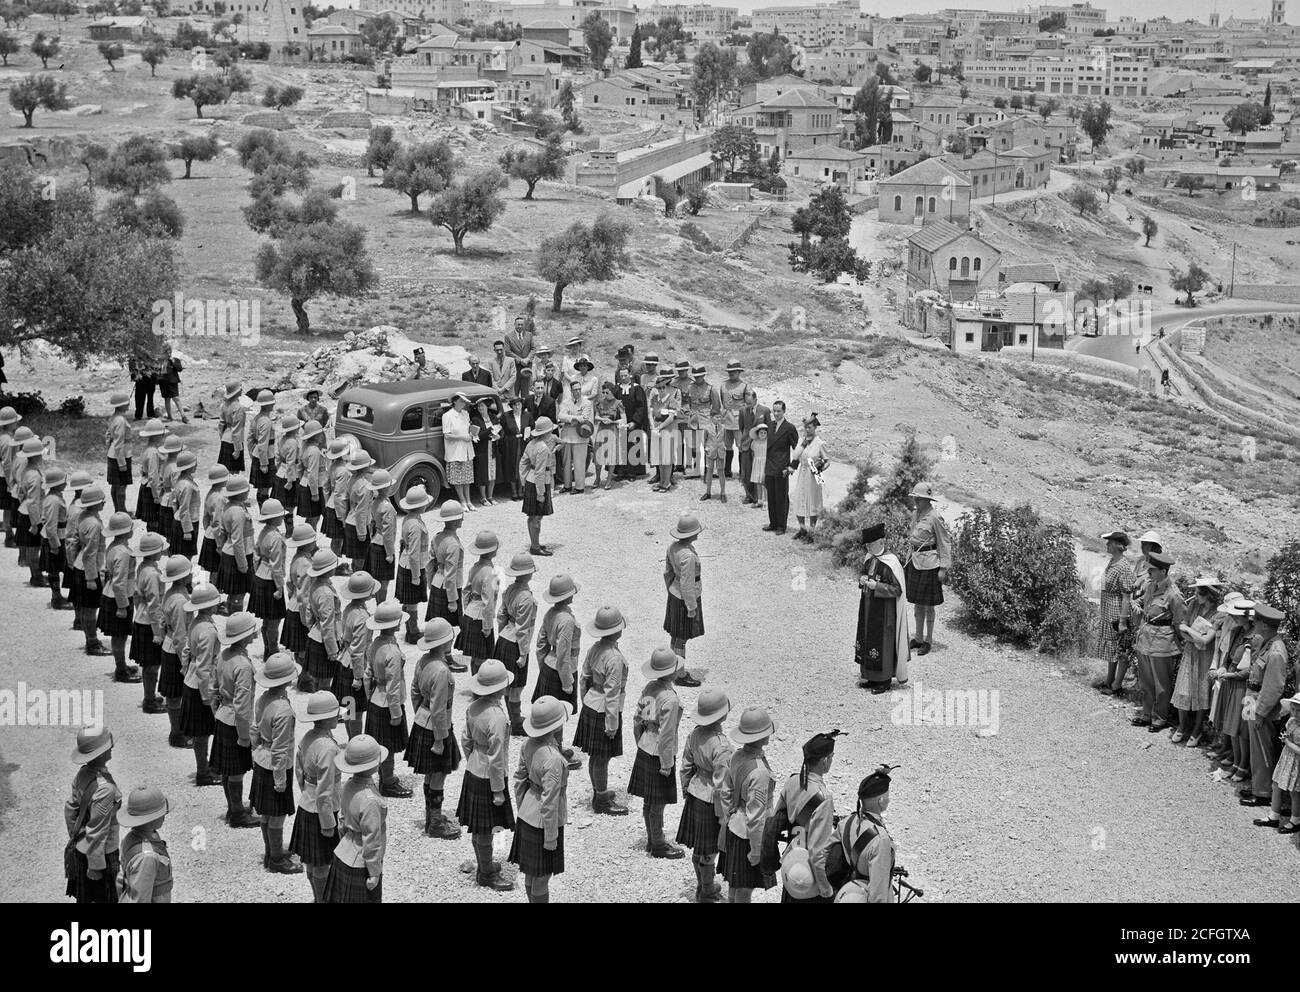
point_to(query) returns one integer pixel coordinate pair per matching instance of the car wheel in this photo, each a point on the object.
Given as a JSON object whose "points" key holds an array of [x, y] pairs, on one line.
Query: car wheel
{"points": [[422, 475]]}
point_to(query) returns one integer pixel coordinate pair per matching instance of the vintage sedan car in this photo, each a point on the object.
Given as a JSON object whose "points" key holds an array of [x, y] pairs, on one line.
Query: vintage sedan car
{"points": [[399, 424]]}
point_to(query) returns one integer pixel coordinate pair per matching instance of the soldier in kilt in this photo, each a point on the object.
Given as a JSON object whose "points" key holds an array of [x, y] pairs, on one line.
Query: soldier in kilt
{"points": [[54, 529], [600, 725], [261, 474], [381, 546], [357, 869], [385, 674], [541, 787], [704, 762], [315, 823], [146, 497], [312, 477], [516, 619], [336, 495], [432, 750], [479, 602], [288, 468], [354, 643], [266, 595], [115, 606], [117, 438], [90, 859], [186, 507], [175, 577], [684, 614], [271, 736], [214, 505], [654, 725], [293, 635], [414, 571], [234, 574], [321, 617], [198, 691], [484, 800], [448, 556], [745, 804], [232, 753]]}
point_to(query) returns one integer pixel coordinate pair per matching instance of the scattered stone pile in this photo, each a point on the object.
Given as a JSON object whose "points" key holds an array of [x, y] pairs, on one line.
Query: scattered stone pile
{"points": [[381, 354]]}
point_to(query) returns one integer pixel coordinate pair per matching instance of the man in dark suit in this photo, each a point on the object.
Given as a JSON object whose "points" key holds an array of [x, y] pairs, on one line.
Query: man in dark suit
{"points": [[782, 439], [635, 407], [751, 415], [539, 404], [551, 383], [476, 372]]}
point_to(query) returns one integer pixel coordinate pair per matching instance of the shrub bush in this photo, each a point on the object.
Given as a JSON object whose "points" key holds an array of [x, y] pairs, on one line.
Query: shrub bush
{"points": [[1282, 589], [692, 233], [26, 404], [1018, 579], [841, 528], [73, 406]]}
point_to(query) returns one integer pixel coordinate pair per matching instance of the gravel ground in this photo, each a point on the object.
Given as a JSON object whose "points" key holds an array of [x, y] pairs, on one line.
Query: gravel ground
{"points": [[1066, 801]]}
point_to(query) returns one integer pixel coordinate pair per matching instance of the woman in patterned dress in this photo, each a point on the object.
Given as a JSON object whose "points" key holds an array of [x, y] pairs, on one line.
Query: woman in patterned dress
{"points": [[1192, 687], [1115, 645]]}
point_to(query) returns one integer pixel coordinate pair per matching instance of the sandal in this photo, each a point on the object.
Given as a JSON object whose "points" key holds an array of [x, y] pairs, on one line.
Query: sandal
{"points": [[1290, 828]]}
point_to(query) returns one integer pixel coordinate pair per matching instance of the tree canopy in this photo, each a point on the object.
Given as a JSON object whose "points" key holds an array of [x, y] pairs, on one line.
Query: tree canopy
{"points": [[583, 254]]}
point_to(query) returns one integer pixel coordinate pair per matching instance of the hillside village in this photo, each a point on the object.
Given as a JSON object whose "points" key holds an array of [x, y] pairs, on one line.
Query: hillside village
{"points": [[1058, 248]]}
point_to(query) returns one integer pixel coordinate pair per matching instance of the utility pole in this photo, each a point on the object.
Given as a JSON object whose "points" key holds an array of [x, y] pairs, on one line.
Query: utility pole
{"points": [[1033, 340], [1232, 279]]}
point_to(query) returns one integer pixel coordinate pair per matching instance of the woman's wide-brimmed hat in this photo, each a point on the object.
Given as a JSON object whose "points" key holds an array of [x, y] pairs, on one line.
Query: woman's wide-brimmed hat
{"points": [[186, 461], [303, 535], [237, 485], [144, 804], [485, 543], [289, 424], [321, 705], [1239, 607], [153, 428], [546, 715], [608, 620], [118, 524], [33, 446], [217, 474], [451, 510], [1290, 701], [271, 509], [711, 706], [1151, 537], [119, 401], [755, 724], [361, 754], [265, 398], [380, 480], [757, 429], [313, 391], [542, 426], [387, 615], [91, 744], [735, 366], [79, 478], [360, 585], [1207, 582], [520, 564], [8, 415], [437, 632], [663, 663], [360, 461], [204, 596], [460, 396], [233, 389], [1118, 536], [560, 588], [280, 669], [310, 429], [323, 562], [586, 361], [171, 445], [176, 568], [688, 525], [337, 449], [238, 627], [149, 544], [55, 478], [492, 677], [922, 490], [586, 428], [416, 498]]}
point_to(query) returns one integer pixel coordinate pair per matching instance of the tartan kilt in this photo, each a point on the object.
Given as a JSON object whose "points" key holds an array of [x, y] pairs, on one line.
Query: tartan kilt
{"points": [[734, 866], [533, 859], [425, 762], [476, 812], [144, 652], [227, 457], [75, 582], [229, 579], [84, 889], [262, 602], [210, 556], [590, 735], [319, 664], [196, 715], [329, 524], [118, 476], [341, 686], [306, 841], [344, 884], [923, 588], [308, 505], [506, 651], [227, 756], [263, 797], [698, 827], [293, 634], [548, 684], [646, 782], [378, 727], [377, 563], [171, 680], [51, 562], [182, 545], [4, 495], [109, 622], [440, 607], [146, 507], [407, 591], [353, 546], [286, 492], [27, 538], [535, 507], [680, 625], [259, 479], [472, 641]]}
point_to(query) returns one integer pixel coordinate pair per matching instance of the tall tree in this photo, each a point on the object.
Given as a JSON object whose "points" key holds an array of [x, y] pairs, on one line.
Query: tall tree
{"points": [[154, 54], [598, 38], [1149, 228], [111, 51], [769, 55], [425, 168], [868, 107], [733, 144], [1191, 281], [45, 47], [713, 75], [202, 91], [379, 34], [1095, 121], [471, 204], [137, 164], [634, 51], [8, 46], [535, 164], [315, 260], [1246, 116], [583, 254], [380, 149], [38, 92], [826, 216], [196, 148]]}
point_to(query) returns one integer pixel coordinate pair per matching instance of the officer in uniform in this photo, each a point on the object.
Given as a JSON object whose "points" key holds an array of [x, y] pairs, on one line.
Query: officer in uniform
{"points": [[1161, 612], [868, 848], [733, 401], [810, 809], [1267, 696]]}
